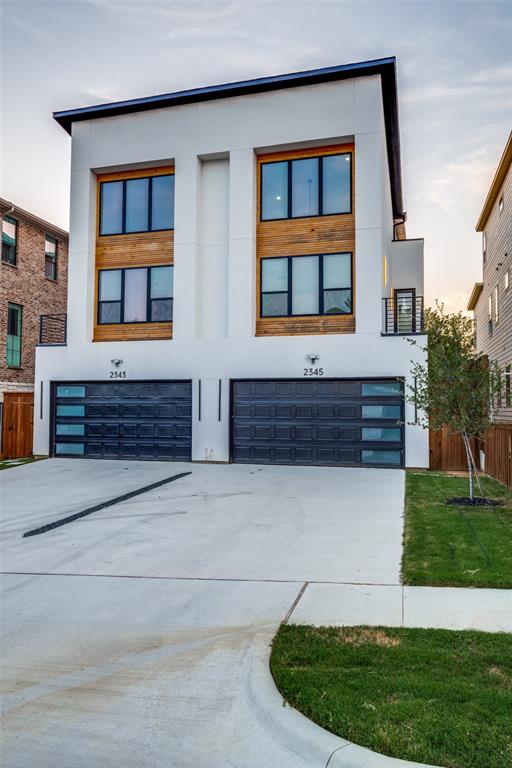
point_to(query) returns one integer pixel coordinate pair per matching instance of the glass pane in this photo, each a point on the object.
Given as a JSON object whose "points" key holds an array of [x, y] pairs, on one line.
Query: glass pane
{"points": [[336, 184], [305, 187], [137, 205], [70, 429], [161, 282], [13, 320], [50, 246], [71, 391], [305, 285], [162, 202], [110, 285], [161, 310], [382, 388], [8, 230], [338, 302], [404, 315], [274, 275], [135, 295], [71, 410], [380, 411], [50, 268], [274, 190], [380, 457], [338, 270], [75, 449], [111, 207], [274, 304], [381, 434], [110, 312]]}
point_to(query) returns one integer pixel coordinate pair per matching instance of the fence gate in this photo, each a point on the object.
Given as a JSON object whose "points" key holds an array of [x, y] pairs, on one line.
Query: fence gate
{"points": [[17, 424]]}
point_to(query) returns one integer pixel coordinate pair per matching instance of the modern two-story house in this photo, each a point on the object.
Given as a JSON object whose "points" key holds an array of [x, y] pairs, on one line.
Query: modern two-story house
{"points": [[240, 284]]}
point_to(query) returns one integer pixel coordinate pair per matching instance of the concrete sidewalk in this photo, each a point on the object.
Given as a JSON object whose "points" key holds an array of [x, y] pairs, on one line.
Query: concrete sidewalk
{"points": [[488, 610]]}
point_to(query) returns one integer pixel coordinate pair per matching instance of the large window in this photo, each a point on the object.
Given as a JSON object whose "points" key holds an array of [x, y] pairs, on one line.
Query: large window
{"points": [[14, 324], [135, 295], [50, 257], [137, 205], [9, 236], [312, 186], [306, 285]]}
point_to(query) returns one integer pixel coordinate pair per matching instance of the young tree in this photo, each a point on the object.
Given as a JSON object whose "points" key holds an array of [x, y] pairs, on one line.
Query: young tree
{"points": [[457, 386]]}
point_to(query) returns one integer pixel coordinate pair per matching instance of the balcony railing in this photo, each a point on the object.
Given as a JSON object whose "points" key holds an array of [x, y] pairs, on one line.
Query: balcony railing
{"points": [[52, 330], [402, 314]]}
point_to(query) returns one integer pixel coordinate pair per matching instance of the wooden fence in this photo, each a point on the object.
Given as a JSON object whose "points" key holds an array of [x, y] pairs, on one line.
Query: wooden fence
{"points": [[447, 452]]}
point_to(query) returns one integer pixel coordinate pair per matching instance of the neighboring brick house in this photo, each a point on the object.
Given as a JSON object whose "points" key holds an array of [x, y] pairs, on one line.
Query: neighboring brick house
{"points": [[491, 300], [33, 282]]}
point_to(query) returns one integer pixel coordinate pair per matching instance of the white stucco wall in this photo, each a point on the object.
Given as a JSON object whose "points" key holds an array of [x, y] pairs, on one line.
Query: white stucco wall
{"points": [[213, 146]]}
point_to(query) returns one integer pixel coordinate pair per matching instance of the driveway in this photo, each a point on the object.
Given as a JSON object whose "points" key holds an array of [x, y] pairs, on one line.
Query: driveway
{"points": [[139, 635]]}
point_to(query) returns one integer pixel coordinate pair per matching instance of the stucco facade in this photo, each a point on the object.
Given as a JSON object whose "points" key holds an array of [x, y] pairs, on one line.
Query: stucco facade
{"points": [[213, 146]]}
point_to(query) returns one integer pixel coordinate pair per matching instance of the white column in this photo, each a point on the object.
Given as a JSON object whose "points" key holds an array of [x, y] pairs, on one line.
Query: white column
{"points": [[242, 243], [186, 232], [368, 259], [82, 240]]}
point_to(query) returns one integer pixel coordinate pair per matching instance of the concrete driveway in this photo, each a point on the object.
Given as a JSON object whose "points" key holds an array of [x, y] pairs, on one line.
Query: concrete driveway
{"points": [[139, 635]]}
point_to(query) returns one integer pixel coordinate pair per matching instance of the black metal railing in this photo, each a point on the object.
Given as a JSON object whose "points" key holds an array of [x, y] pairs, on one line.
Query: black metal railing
{"points": [[52, 330], [403, 314]]}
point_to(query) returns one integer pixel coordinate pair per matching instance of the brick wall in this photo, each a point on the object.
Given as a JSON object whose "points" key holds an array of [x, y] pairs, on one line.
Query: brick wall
{"points": [[26, 284]]}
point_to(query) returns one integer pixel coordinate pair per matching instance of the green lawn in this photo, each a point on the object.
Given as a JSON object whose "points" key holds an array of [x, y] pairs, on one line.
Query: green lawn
{"points": [[9, 463], [434, 696], [453, 545]]}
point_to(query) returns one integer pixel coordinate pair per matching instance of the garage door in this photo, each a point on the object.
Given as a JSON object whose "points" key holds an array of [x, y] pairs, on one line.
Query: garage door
{"points": [[340, 422], [122, 420]]}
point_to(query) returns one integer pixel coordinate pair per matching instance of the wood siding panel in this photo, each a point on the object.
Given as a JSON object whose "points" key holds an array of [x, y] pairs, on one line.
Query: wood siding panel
{"points": [[299, 237], [498, 453], [142, 249], [498, 344]]}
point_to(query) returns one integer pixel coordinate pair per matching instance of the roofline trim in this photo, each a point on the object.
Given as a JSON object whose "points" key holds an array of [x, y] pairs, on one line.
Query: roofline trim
{"points": [[497, 183], [475, 295], [385, 67], [31, 218]]}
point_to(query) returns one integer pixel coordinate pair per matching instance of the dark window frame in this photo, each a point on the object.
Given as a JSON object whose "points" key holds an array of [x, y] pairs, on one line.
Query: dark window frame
{"points": [[320, 159], [19, 308], [51, 258], [149, 299], [321, 289], [7, 245], [123, 215]]}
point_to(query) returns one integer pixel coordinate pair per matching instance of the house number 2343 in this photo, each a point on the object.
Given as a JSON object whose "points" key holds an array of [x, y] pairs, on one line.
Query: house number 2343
{"points": [[313, 372]]}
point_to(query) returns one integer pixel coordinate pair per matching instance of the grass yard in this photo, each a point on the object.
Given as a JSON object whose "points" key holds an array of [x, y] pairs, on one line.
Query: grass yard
{"points": [[433, 696], [9, 463], [453, 545]]}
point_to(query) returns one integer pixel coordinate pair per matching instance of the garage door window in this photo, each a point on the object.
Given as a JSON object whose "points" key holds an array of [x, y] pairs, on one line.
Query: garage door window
{"points": [[381, 457], [73, 391], [380, 411], [69, 449], [135, 295], [71, 410], [75, 430], [306, 285], [381, 434], [380, 388]]}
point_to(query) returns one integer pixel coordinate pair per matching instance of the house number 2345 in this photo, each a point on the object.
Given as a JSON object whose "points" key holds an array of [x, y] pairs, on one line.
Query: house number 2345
{"points": [[313, 372]]}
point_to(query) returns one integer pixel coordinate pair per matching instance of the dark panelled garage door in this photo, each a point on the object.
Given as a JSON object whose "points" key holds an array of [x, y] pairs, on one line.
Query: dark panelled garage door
{"points": [[321, 421], [122, 420]]}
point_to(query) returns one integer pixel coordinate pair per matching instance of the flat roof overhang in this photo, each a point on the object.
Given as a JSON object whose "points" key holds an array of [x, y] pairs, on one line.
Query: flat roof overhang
{"points": [[385, 68]]}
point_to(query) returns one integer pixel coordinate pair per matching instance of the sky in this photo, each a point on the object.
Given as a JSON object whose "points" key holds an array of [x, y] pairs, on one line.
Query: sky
{"points": [[454, 75]]}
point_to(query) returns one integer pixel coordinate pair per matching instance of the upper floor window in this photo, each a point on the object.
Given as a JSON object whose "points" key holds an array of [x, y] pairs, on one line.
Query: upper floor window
{"points": [[14, 324], [506, 280], [50, 257], [137, 205], [484, 245], [496, 305], [306, 285], [135, 295], [312, 186], [501, 204], [508, 387], [9, 237]]}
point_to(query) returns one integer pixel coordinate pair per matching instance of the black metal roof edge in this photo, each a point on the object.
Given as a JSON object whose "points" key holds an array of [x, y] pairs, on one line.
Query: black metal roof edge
{"points": [[385, 67]]}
